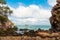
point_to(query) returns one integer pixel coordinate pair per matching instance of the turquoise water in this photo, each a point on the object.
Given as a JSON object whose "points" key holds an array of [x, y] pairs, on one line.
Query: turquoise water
{"points": [[34, 27]]}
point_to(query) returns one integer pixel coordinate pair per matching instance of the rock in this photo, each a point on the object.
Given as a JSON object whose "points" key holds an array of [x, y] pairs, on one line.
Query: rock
{"points": [[58, 1], [55, 18], [43, 34], [7, 24]]}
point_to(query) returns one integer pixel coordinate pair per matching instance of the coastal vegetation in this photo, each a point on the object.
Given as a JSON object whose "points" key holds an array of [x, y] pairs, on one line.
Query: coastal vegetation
{"points": [[6, 26]]}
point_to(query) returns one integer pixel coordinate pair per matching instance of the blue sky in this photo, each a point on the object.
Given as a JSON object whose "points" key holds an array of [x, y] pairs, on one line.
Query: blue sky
{"points": [[31, 12], [15, 3]]}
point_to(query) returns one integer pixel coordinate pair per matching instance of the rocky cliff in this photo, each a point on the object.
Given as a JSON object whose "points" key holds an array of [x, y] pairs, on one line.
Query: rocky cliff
{"points": [[55, 18], [5, 22]]}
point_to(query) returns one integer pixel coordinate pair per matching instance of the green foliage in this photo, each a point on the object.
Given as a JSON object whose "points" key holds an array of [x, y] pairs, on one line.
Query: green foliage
{"points": [[4, 12], [8, 31], [2, 1], [15, 28], [3, 19], [4, 9]]}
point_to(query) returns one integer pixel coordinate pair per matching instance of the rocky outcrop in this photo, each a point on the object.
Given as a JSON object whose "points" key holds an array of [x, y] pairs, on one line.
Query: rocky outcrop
{"points": [[5, 22], [55, 18]]}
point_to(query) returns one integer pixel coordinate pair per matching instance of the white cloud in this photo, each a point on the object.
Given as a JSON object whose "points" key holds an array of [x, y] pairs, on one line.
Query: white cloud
{"points": [[52, 2], [36, 12], [31, 11]]}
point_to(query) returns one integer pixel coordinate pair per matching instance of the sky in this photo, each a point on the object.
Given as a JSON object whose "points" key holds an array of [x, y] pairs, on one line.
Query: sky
{"points": [[31, 12]]}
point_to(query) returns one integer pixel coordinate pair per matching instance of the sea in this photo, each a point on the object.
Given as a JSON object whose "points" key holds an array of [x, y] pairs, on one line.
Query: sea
{"points": [[34, 27]]}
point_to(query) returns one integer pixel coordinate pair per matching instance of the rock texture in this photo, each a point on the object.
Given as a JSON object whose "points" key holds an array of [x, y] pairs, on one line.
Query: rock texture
{"points": [[7, 24], [28, 38], [55, 18]]}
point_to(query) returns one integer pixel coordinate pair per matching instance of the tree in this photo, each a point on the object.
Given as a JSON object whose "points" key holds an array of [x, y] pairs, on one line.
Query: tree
{"points": [[4, 9], [3, 19], [2, 1], [4, 13]]}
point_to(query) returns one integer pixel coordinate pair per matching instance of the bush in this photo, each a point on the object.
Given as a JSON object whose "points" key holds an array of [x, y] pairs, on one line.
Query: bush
{"points": [[8, 31]]}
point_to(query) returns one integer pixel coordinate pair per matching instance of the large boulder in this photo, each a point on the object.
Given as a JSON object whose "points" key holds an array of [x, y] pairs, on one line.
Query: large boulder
{"points": [[55, 18]]}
